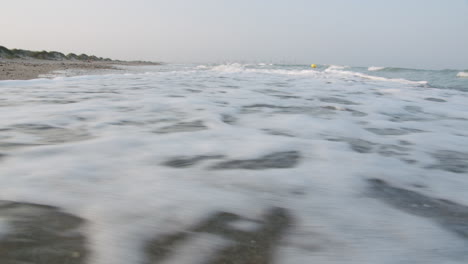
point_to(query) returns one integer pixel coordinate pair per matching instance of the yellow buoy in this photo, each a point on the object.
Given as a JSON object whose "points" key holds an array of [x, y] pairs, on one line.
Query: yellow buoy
{"points": [[313, 66]]}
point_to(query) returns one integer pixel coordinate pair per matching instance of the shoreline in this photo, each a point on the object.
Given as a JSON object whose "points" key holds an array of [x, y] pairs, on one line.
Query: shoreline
{"points": [[27, 69]]}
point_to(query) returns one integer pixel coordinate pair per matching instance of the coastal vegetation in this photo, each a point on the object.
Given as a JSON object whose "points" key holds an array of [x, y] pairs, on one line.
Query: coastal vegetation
{"points": [[6, 53]]}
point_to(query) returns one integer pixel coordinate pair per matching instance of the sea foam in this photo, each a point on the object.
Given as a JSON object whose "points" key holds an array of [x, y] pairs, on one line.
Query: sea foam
{"points": [[145, 156], [374, 68], [462, 74], [349, 73]]}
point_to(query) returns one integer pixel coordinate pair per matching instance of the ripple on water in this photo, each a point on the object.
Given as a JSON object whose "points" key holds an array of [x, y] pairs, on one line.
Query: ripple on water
{"points": [[438, 100], [277, 160], [360, 145], [184, 162], [452, 161], [393, 131], [278, 109], [41, 135], [277, 132], [182, 127], [449, 215], [52, 134], [228, 119], [352, 111], [337, 101]]}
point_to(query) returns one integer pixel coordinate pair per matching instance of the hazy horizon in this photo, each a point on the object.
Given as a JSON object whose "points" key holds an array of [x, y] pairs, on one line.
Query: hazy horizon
{"points": [[413, 34]]}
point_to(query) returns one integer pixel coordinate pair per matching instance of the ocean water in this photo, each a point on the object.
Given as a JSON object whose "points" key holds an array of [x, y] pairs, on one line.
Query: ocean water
{"points": [[235, 162]]}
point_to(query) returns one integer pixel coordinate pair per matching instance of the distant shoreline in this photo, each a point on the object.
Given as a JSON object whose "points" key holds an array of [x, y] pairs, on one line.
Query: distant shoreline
{"points": [[25, 65], [27, 69]]}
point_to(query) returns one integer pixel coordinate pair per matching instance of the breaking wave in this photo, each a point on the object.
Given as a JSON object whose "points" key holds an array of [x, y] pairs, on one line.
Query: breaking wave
{"points": [[374, 78], [462, 74], [374, 68]]}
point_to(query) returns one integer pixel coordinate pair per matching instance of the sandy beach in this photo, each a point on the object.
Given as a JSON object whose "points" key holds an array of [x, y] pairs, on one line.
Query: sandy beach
{"points": [[26, 69]]}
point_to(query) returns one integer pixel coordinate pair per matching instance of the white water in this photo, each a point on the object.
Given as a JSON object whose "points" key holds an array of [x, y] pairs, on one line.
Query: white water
{"points": [[342, 72], [375, 68], [462, 74], [102, 157]]}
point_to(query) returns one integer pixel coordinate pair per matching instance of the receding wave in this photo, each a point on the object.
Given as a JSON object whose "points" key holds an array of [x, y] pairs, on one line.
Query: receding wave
{"points": [[462, 74]]}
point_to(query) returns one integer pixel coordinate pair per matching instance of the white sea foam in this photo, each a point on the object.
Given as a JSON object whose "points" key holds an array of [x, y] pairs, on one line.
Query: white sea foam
{"points": [[107, 139], [234, 67], [375, 68], [337, 67], [333, 71], [462, 74], [375, 78]]}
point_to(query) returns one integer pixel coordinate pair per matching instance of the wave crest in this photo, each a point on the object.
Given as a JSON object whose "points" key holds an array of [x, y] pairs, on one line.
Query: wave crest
{"points": [[332, 70], [462, 74], [230, 68], [337, 67], [374, 78], [375, 68]]}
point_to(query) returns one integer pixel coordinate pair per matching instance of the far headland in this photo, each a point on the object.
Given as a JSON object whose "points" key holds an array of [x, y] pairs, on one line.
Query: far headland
{"points": [[20, 64]]}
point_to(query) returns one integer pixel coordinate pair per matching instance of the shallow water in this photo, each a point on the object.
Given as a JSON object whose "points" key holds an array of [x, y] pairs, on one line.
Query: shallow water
{"points": [[229, 163]]}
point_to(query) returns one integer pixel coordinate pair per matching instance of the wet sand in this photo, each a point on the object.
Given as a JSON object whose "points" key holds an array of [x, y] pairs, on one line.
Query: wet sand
{"points": [[44, 234], [26, 69]]}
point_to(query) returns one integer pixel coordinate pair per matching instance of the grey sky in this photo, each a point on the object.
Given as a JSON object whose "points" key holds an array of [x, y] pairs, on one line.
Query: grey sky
{"points": [[405, 33]]}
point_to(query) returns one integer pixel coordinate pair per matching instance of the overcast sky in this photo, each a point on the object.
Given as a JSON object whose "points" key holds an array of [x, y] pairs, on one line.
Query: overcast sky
{"points": [[404, 33]]}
